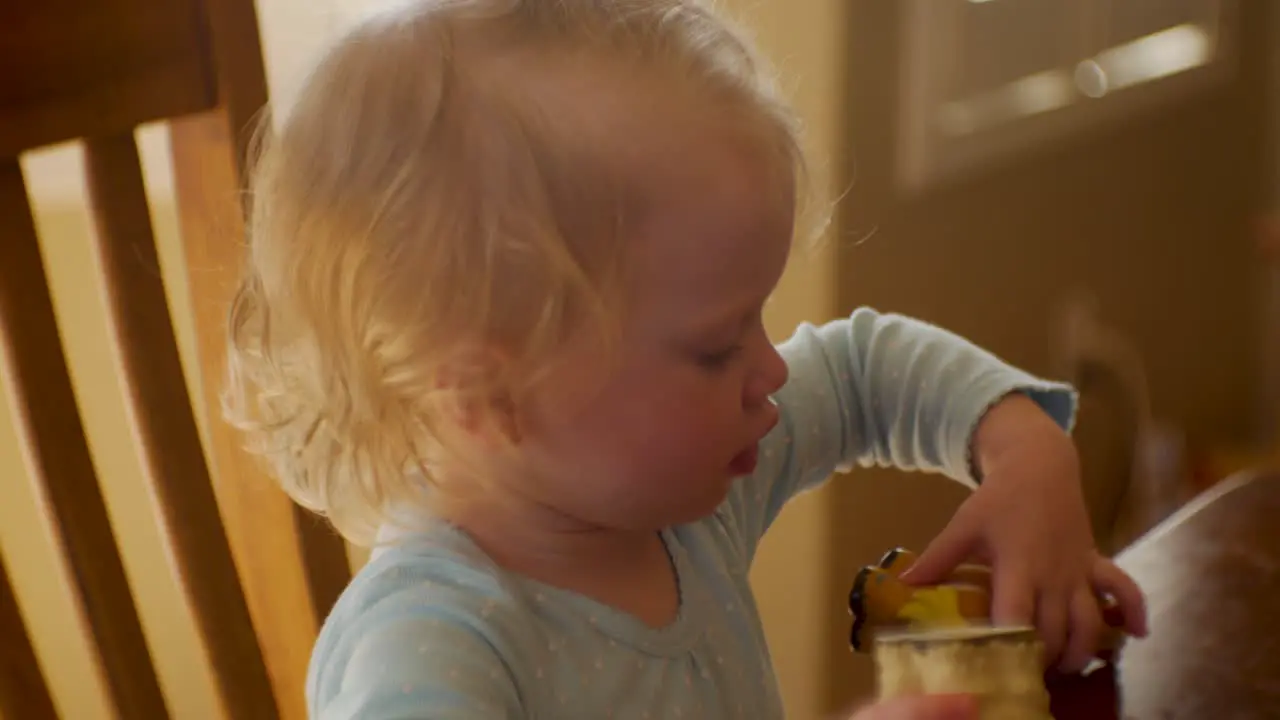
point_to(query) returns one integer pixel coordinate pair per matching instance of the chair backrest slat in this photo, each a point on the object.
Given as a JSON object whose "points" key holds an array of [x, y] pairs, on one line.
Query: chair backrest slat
{"points": [[23, 691], [99, 66], [165, 427], [58, 458], [292, 564], [256, 572]]}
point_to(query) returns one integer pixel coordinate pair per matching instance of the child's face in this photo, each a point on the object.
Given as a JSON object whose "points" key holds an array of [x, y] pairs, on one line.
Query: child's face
{"points": [[656, 437]]}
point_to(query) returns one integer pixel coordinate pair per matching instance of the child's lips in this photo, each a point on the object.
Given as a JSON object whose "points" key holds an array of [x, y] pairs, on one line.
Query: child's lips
{"points": [[744, 463]]}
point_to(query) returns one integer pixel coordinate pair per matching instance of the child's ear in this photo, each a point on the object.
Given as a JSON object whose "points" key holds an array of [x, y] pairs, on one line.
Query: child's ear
{"points": [[478, 385], [505, 417]]}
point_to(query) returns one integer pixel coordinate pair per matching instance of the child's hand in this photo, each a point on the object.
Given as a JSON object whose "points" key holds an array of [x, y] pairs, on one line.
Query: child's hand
{"points": [[921, 707], [1029, 522]]}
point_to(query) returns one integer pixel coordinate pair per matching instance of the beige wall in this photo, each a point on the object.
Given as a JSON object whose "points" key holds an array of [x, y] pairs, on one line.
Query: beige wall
{"points": [[803, 40], [788, 574]]}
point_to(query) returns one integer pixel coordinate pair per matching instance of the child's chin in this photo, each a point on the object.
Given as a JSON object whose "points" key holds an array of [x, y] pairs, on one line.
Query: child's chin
{"points": [[700, 508]]}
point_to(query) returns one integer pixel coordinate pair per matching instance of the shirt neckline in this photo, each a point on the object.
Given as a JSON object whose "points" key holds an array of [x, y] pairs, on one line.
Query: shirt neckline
{"points": [[675, 638]]}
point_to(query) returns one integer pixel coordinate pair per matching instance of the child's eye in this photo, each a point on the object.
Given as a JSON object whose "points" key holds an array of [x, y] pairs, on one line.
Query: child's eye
{"points": [[717, 360]]}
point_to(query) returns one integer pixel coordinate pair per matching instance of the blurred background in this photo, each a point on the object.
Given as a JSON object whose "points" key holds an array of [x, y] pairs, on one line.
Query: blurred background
{"points": [[1080, 185]]}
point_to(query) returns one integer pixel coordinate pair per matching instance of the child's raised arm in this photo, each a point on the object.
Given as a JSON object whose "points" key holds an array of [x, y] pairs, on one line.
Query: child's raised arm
{"points": [[878, 389]]}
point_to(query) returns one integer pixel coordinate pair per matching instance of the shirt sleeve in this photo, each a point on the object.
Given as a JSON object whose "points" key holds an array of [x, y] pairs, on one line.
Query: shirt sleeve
{"points": [[421, 665], [877, 390]]}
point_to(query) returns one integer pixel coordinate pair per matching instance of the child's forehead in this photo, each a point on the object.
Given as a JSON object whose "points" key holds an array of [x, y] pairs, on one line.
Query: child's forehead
{"points": [[591, 92], [716, 224], [646, 131], [651, 131]]}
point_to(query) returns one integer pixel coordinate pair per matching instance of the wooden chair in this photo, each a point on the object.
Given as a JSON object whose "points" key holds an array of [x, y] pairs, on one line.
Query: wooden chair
{"points": [[257, 576]]}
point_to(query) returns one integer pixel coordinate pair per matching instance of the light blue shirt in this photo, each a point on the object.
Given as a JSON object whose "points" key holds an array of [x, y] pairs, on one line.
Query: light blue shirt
{"points": [[431, 629]]}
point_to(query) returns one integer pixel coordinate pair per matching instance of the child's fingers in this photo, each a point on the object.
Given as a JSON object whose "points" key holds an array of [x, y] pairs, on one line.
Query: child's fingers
{"points": [[975, 574], [1052, 615], [1085, 631], [921, 707], [1112, 613], [950, 548], [978, 576], [1013, 600], [1111, 580]]}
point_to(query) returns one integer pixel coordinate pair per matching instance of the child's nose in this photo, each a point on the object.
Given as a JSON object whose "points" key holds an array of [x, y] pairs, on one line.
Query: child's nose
{"points": [[769, 377]]}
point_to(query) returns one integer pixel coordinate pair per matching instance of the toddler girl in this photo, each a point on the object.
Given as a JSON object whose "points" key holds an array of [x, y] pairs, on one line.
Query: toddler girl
{"points": [[503, 319]]}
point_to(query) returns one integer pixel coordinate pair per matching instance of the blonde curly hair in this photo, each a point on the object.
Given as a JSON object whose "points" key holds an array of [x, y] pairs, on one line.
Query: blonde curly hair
{"points": [[423, 200]]}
